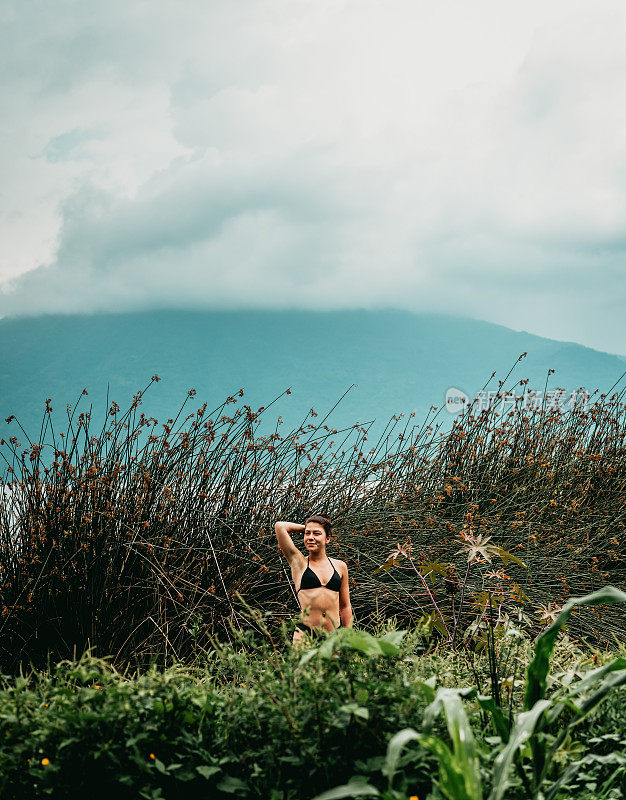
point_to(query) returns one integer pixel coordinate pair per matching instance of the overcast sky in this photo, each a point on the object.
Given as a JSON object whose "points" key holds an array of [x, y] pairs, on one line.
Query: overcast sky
{"points": [[460, 157]]}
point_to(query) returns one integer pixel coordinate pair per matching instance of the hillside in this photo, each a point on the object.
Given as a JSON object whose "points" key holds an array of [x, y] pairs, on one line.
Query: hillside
{"points": [[400, 362]]}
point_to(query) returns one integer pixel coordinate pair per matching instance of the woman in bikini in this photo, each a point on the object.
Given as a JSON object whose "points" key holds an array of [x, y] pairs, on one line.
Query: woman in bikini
{"points": [[322, 584]]}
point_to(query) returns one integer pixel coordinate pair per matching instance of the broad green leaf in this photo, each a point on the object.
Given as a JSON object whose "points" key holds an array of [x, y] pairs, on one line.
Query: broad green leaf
{"points": [[355, 709], [388, 648], [349, 790], [206, 771], [393, 637], [231, 785], [523, 729], [427, 688], [365, 643], [160, 766], [537, 672], [327, 648], [307, 656]]}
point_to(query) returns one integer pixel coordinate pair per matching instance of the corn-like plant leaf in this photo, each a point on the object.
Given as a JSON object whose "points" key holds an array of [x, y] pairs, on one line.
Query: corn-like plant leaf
{"points": [[463, 754], [589, 702], [523, 729], [452, 779], [395, 747], [537, 671], [499, 720], [591, 681], [594, 676], [436, 707], [574, 768], [464, 751]]}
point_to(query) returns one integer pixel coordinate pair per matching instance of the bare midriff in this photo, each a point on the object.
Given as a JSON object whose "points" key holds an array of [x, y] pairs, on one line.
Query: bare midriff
{"points": [[322, 605]]}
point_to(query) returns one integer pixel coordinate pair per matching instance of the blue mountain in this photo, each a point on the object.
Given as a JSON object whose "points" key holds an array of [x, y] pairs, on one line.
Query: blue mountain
{"points": [[390, 361]]}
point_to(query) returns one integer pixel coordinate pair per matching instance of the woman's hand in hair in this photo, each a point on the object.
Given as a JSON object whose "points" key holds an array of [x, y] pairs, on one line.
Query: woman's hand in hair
{"points": [[285, 542]]}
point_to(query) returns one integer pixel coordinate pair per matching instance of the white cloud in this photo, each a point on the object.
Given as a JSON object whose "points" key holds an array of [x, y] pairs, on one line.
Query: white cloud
{"points": [[450, 156]]}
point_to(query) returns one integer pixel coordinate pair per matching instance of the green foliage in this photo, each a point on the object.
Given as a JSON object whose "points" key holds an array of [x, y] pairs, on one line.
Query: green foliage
{"points": [[539, 736], [250, 720], [258, 718], [85, 726], [349, 640]]}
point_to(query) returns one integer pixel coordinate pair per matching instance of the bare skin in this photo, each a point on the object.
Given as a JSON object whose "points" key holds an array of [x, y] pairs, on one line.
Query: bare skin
{"points": [[321, 607]]}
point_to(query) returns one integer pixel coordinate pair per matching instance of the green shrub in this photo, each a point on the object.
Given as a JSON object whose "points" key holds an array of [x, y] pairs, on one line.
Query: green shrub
{"points": [[530, 752], [257, 718], [251, 721]]}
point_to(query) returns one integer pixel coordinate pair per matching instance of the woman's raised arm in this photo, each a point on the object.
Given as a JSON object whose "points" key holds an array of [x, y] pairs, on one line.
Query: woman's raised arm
{"points": [[285, 542]]}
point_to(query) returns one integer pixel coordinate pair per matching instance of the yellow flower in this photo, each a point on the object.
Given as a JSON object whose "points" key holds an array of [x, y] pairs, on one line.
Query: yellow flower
{"points": [[45, 762], [96, 686], [152, 756], [414, 797]]}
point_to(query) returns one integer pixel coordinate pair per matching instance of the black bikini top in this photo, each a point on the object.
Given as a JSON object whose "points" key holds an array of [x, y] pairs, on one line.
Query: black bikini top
{"points": [[311, 581]]}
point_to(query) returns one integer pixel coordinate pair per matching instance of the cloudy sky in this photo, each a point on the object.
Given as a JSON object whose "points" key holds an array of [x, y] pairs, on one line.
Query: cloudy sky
{"points": [[468, 158]]}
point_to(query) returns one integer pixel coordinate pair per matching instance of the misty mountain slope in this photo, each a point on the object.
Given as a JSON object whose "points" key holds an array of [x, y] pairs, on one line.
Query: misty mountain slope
{"points": [[400, 362]]}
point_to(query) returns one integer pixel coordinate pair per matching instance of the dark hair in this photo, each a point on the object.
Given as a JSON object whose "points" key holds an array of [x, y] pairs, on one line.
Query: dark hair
{"points": [[323, 521]]}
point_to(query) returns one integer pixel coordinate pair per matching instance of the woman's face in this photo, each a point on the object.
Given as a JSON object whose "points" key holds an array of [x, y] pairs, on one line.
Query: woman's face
{"points": [[314, 537]]}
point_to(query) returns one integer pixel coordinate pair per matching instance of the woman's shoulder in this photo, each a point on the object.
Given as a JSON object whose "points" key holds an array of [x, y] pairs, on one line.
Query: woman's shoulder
{"points": [[337, 562]]}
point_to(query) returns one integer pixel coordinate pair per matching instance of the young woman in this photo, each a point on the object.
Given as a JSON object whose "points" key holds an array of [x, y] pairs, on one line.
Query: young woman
{"points": [[322, 584]]}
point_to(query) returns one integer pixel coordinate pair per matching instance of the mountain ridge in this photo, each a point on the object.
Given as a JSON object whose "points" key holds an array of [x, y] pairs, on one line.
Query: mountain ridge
{"points": [[400, 361]]}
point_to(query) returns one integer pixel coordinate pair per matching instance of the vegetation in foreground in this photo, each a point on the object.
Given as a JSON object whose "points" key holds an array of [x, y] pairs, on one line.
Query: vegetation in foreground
{"points": [[355, 716]]}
